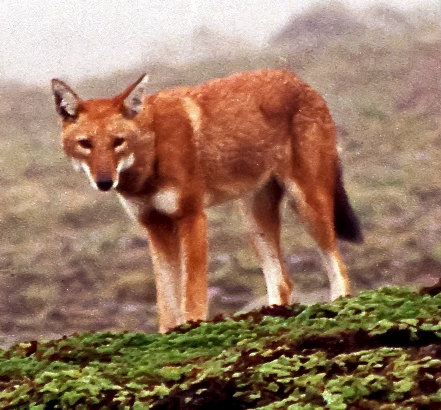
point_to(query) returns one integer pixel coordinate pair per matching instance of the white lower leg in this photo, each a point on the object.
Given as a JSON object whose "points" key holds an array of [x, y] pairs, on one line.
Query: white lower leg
{"points": [[167, 291], [279, 287], [276, 283], [338, 279]]}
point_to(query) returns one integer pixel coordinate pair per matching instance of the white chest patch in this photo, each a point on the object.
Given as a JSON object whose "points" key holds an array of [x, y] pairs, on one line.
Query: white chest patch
{"points": [[166, 200]]}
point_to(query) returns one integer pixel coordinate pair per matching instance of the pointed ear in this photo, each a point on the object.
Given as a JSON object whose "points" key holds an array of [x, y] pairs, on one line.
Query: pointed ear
{"points": [[132, 96], [66, 101]]}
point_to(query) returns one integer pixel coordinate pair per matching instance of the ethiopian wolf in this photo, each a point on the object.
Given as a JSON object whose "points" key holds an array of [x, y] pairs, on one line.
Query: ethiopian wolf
{"points": [[254, 136]]}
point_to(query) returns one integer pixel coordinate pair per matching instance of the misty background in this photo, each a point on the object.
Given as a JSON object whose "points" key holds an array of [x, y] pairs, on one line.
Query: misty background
{"points": [[52, 38], [70, 258]]}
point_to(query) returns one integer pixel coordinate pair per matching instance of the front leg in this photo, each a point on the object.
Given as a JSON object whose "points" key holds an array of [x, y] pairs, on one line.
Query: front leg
{"points": [[192, 230], [164, 249]]}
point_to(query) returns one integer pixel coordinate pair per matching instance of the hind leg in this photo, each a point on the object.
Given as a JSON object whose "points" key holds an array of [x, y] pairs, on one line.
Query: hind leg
{"points": [[337, 274], [314, 204], [261, 216]]}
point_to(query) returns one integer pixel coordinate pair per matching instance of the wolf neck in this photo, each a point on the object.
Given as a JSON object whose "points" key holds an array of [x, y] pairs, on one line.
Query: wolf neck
{"points": [[134, 182]]}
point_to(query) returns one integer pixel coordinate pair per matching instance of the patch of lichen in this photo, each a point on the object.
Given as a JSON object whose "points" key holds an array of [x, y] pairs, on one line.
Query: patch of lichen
{"points": [[379, 350]]}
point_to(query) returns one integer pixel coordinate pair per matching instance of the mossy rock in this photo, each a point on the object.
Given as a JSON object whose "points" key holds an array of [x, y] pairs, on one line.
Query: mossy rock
{"points": [[380, 350]]}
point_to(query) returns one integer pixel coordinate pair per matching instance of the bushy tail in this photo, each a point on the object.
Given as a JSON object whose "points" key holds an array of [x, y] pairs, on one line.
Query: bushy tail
{"points": [[347, 225]]}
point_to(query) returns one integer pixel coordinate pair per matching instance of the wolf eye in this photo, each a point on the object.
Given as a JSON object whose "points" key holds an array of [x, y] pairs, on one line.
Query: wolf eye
{"points": [[85, 143], [118, 141]]}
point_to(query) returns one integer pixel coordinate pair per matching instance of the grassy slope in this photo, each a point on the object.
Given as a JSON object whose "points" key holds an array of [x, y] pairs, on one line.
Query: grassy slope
{"points": [[379, 350]]}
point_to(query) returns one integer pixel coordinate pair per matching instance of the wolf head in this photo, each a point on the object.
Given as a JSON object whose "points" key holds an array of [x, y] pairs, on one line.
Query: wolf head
{"points": [[100, 135]]}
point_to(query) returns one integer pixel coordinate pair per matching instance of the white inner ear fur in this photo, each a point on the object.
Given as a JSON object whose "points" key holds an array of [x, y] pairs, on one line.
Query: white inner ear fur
{"points": [[69, 101], [134, 100], [69, 106]]}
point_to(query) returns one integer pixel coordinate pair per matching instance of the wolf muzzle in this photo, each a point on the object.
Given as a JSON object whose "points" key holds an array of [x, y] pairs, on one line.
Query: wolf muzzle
{"points": [[104, 184]]}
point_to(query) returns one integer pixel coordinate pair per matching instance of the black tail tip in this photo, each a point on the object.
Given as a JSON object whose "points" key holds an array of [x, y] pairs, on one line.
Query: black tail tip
{"points": [[347, 225], [350, 230]]}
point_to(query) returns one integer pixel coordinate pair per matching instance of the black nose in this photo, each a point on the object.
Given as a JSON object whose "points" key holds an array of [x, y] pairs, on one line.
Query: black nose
{"points": [[104, 184]]}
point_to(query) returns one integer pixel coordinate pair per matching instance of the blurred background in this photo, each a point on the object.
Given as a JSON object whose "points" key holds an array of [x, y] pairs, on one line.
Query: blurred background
{"points": [[72, 261]]}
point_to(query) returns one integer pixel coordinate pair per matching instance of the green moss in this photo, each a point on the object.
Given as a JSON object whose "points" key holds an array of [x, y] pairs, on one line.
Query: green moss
{"points": [[382, 347]]}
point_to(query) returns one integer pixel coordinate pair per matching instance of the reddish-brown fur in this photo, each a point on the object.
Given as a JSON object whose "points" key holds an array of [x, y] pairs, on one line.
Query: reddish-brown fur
{"points": [[255, 136]]}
